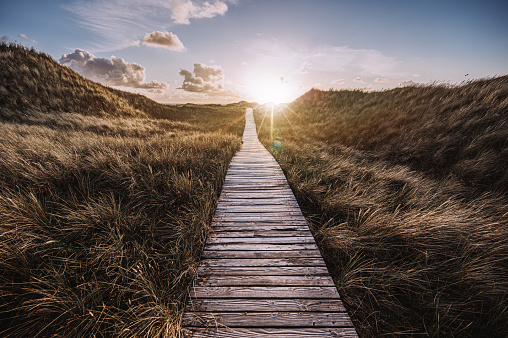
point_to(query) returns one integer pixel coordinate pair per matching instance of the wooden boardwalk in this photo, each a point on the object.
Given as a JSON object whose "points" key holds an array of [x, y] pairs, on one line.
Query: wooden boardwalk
{"points": [[262, 274]]}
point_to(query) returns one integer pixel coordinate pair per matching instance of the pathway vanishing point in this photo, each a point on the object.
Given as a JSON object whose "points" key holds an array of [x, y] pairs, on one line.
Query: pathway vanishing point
{"points": [[262, 274]]}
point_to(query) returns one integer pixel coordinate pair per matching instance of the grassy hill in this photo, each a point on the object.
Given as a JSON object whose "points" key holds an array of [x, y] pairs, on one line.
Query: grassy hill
{"points": [[406, 194], [459, 132], [105, 201]]}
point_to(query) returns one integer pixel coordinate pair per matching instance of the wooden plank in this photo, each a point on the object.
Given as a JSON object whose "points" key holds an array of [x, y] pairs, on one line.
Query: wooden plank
{"points": [[246, 304], [247, 187], [258, 203], [242, 197], [262, 271], [262, 247], [257, 226], [266, 206], [258, 221], [261, 240], [223, 332], [212, 254], [308, 280], [217, 229], [241, 214], [266, 233], [292, 292], [267, 319], [258, 218], [293, 261]]}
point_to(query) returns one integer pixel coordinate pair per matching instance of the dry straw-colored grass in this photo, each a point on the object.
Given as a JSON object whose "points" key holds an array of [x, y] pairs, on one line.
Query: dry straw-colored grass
{"points": [[103, 214], [405, 191]]}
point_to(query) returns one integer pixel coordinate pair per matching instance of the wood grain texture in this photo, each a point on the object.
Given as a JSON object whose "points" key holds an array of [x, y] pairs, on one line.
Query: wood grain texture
{"points": [[265, 305], [267, 319], [261, 273], [201, 332]]}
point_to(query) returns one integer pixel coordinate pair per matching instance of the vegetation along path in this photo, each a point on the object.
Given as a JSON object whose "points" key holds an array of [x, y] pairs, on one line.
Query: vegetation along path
{"points": [[261, 272]]}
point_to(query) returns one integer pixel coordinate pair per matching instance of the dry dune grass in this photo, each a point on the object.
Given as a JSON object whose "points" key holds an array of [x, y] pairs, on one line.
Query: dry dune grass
{"points": [[406, 195], [102, 216]]}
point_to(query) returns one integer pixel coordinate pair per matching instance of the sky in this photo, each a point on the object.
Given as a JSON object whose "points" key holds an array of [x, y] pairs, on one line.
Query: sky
{"points": [[222, 51]]}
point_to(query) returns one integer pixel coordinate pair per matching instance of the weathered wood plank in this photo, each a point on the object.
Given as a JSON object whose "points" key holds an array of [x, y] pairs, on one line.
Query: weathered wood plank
{"points": [[267, 213], [223, 332], [252, 208], [212, 254], [262, 271], [217, 229], [293, 261], [261, 247], [266, 217], [261, 240], [266, 233], [247, 304], [267, 222], [311, 292], [308, 280], [258, 203], [267, 319]]}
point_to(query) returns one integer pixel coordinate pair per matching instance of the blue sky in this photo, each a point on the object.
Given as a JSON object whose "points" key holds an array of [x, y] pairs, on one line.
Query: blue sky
{"points": [[225, 51]]}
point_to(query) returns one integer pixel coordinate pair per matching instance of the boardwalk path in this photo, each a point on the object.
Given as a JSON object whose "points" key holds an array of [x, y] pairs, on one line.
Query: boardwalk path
{"points": [[262, 273]]}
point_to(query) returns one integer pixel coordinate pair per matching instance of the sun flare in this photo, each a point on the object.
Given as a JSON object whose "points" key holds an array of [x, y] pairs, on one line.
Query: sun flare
{"points": [[270, 89]]}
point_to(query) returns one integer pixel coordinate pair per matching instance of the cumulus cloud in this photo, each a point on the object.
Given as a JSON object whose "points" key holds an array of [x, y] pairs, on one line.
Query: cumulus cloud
{"points": [[381, 80], [113, 72], [22, 36], [182, 11], [204, 79], [358, 79], [407, 83], [339, 81], [163, 39]]}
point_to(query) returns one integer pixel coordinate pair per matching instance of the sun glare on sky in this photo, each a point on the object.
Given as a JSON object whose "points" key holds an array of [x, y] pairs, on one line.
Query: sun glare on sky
{"points": [[272, 89]]}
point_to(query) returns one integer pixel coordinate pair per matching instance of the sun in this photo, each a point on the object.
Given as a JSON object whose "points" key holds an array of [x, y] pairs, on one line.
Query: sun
{"points": [[271, 89]]}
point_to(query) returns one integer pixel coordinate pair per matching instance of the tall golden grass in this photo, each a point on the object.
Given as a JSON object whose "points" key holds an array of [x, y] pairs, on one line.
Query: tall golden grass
{"points": [[405, 191], [105, 201]]}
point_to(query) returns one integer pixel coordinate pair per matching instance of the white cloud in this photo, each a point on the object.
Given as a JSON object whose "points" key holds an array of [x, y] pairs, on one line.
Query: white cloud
{"points": [[408, 83], [381, 80], [116, 23], [346, 59], [112, 72], [325, 58], [22, 36], [184, 10], [163, 39], [339, 81], [358, 79], [204, 79]]}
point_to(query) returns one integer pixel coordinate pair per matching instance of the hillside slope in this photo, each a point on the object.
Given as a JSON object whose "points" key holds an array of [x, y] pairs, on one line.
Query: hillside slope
{"points": [[459, 131], [32, 83]]}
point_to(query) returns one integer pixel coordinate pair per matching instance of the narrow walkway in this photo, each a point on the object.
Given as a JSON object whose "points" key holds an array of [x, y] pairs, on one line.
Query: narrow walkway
{"points": [[262, 274]]}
